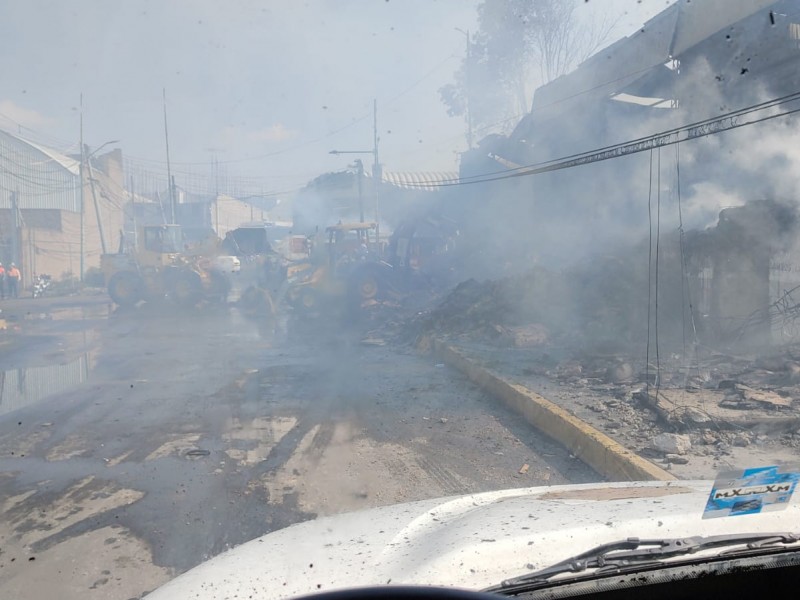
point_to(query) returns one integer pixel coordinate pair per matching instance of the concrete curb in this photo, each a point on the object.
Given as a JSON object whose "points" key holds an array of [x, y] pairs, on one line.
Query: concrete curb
{"points": [[596, 449]]}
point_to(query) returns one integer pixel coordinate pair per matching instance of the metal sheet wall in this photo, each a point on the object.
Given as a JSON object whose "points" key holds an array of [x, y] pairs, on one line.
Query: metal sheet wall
{"points": [[42, 179]]}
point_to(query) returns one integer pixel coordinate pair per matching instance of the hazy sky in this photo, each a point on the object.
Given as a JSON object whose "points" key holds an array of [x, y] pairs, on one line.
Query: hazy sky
{"points": [[282, 80]]}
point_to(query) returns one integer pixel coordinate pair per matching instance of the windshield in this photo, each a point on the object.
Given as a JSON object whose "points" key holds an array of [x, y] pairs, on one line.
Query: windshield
{"points": [[266, 262]]}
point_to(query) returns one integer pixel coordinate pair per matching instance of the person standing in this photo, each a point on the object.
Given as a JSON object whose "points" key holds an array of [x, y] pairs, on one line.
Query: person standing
{"points": [[13, 276], [2, 282]]}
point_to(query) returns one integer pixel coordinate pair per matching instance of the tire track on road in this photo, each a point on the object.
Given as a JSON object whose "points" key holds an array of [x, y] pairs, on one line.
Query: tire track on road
{"points": [[444, 478]]}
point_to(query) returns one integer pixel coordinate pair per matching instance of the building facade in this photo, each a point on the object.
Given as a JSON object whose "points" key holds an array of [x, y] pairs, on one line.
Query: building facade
{"points": [[57, 218]]}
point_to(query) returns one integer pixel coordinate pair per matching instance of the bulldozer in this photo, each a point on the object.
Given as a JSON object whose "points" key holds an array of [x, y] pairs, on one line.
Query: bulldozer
{"points": [[334, 269], [162, 265], [352, 269]]}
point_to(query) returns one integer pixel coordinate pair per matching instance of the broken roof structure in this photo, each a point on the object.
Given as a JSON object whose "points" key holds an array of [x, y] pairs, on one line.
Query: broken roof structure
{"points": [[638, 64], [675, 63]]}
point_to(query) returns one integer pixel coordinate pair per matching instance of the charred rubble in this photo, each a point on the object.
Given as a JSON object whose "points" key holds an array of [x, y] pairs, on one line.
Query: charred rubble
{"points": [[723, 363]]}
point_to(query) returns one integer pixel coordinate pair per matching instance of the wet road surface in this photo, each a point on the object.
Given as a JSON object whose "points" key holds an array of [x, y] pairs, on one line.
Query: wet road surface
{"points": [[136, 444]]}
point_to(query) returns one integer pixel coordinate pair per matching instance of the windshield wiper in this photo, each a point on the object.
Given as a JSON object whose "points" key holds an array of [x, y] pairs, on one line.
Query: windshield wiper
{"points": [[614, 556]]}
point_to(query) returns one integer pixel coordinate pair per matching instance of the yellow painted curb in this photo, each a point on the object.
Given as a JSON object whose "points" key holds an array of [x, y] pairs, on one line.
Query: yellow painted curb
{"points": [[605, 455]]}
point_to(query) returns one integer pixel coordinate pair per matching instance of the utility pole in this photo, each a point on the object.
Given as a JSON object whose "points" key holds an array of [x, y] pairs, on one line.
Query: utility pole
{"points": [[469, 93], [360, 167], [173, 195], [16, 223], [83, 199], [377, 175], [133, 210], [170, 181], [86, 158], [96, 203], [216, 194]]}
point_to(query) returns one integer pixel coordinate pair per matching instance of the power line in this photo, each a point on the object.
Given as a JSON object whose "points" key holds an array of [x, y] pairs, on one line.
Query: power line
{"points": [[38, 184], [65, 144], [45, 139], [389, 102], [649, 273], [700, 129], [298, 146], [685, 274], [550, 104], [316, 140], [658, 246], [477, 130], [680, 243]]}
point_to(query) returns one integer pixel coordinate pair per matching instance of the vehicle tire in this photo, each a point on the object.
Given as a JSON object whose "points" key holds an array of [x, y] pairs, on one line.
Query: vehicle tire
{"points": [[367, 286], [126, 288], [186, 288], [308, 302], [257, 302], [219, 287]]}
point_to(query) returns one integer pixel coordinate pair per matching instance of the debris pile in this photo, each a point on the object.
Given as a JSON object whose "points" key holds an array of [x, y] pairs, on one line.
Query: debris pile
{"points": [[705, 317], [508, 312], [472, 306], [597, 304], [684, 424], [704, 415]]}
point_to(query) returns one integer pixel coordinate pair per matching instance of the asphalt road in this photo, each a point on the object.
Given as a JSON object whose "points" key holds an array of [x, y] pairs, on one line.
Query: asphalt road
{"points": [[136, 444]]}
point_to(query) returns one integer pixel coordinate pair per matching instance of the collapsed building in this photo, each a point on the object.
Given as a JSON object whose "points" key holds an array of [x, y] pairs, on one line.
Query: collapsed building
{"points": [[737, 254], [693, 61], [735, 51]]}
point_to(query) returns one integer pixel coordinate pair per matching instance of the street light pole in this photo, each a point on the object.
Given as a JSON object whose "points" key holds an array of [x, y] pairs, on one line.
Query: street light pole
{"points": [[170, 180], [360, 173], [377, 173], [468, 87], [86, 156], [83, 199], [360, 167]]}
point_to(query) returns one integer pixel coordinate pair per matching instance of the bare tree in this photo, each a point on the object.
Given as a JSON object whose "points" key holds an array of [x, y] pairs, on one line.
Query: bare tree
{"points": [[558, 42], [518, 42]]}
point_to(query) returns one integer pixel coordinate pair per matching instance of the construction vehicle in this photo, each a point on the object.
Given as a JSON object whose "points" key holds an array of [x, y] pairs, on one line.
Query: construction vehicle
{"points": [[331, 271], [353, 269], [162, 265], [261, 265], [263, 270]]}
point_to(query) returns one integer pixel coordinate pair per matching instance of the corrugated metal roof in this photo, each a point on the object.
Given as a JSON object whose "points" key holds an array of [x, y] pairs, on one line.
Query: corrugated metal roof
{"points": [[44, 178], [426, 180], [700, 20], [613, 68], [669, 34]]}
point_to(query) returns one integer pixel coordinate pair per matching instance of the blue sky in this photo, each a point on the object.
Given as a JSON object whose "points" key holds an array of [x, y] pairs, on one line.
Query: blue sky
{"points": [[284, 80]]}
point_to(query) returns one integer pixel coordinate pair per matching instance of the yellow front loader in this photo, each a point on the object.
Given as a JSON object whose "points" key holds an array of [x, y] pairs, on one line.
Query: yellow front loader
{"points": [[162, 265]]}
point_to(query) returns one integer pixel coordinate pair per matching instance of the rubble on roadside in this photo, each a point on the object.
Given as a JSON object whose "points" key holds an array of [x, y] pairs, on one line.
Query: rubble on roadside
{"points": [[672, 443], [579, 337], [706, 412], [506, 312], [720, 404]]}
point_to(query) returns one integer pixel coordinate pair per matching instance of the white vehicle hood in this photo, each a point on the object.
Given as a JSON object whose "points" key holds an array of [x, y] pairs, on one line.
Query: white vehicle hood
{"points": [[471, 541]]}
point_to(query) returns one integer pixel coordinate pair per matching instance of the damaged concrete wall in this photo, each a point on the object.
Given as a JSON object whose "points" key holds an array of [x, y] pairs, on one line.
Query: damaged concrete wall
{"points": [[739, 250]]}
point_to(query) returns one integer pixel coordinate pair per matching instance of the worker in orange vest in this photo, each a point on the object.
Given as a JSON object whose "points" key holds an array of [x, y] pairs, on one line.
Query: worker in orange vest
{"points": [[13, 275], [2, 282]]}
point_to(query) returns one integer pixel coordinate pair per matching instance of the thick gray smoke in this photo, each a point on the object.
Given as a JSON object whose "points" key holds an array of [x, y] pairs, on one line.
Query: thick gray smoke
{"points": [[604, 226]]}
